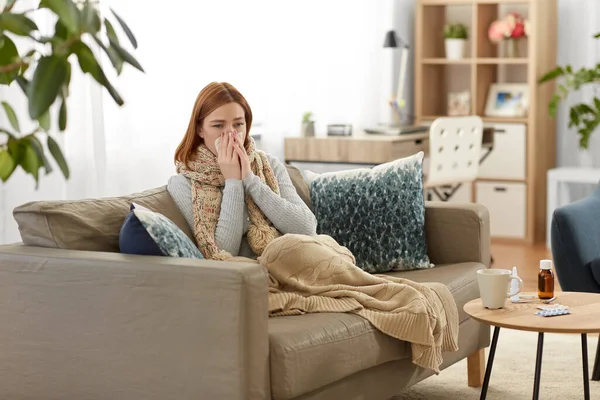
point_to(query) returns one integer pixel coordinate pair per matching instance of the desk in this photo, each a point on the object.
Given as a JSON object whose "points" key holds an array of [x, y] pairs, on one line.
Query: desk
{"points": [[362, 148], [558, 196]]}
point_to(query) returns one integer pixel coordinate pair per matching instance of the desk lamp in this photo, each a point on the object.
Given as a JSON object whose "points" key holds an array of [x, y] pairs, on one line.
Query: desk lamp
{"points": [[397, 101]]}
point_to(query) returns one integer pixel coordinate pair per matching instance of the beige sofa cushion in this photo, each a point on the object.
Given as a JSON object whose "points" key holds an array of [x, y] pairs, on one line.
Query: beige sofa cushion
{"points": [[91, 224], [299, 183], [314, 350]]}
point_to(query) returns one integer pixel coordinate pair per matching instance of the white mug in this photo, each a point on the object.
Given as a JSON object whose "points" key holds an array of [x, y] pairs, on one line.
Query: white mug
{"points": [[493, 287]]}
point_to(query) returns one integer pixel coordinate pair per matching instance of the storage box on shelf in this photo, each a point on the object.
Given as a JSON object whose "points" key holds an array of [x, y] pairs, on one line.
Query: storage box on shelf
{"points": [[512, 179]]}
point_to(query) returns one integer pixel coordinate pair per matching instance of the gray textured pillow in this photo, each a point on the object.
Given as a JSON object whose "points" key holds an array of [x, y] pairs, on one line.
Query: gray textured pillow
{"points": [[377, 213]]}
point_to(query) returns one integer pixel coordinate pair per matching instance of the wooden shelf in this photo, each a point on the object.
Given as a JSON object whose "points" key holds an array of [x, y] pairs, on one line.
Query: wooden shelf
{"points": [[462, 2], [486, 63], [502, 60], [502, 1], [501, 180], [483, 61], [445, 2], [499, 120], [505, 120], [445, 61]]}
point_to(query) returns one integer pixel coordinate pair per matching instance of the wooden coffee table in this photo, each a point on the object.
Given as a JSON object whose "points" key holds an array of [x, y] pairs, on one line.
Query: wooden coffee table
{"points": [[584, 319]]}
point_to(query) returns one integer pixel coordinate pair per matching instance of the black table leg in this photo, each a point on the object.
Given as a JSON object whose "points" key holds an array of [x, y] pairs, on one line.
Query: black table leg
{"points": [[586, 378], [538, 366], [490, 363], [596, 371]]}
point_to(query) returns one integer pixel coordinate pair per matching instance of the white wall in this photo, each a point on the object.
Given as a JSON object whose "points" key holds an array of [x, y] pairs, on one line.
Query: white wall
{"points": [[287, 57]]}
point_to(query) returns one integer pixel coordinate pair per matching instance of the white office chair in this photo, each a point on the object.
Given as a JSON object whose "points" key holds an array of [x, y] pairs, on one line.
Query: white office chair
{"points": [[454, 155]]}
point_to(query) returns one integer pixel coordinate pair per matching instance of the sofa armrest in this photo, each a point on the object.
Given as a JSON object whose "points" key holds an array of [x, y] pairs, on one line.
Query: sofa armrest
{"points": [[83, 325], [457, 232]]}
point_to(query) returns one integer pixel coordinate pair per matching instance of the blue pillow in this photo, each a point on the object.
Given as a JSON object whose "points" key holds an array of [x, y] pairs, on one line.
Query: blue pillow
{"points": [[377, 213], [148, 233]]}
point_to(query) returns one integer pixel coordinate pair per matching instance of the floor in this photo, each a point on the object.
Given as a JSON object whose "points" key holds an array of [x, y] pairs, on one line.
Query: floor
{"points": [[526, 258]]}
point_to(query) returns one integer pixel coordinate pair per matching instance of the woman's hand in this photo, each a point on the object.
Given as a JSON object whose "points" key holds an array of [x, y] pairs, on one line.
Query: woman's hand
{"points": [[228, 158], [243, 156]]}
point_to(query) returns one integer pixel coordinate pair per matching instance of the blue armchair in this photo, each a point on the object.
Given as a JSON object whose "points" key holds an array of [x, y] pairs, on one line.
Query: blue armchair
{"points": [[575, 238]]}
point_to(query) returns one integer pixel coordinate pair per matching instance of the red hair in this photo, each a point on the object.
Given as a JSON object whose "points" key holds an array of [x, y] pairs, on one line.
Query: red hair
{"points": [[213, 96]]}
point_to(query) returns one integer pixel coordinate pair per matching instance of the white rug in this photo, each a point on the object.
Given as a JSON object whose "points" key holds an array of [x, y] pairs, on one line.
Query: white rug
{"points": [[514, 369]]}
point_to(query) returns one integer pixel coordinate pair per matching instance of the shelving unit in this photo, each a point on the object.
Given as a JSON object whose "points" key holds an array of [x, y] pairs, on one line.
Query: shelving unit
{"points": [[512, 180]]}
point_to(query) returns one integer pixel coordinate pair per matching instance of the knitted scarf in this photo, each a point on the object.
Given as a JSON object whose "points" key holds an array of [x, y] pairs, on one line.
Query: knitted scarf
{"points": [[207, 183]]}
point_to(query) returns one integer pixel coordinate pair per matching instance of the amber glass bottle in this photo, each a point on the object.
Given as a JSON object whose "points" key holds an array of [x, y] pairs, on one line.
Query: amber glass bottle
{"points": [[546, 280]]}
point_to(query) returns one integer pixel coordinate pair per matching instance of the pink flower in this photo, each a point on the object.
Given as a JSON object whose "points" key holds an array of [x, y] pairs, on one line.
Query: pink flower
{"points": [[499, 30], [518, 31]]}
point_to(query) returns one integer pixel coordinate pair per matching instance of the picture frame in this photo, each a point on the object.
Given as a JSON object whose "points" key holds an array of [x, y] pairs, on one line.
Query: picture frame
{"points": [[507, 100], [459, 103]]}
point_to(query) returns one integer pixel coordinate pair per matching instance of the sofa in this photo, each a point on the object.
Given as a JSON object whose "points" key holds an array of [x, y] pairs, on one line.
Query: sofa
{"points": [[82, 321], [575, 238]]}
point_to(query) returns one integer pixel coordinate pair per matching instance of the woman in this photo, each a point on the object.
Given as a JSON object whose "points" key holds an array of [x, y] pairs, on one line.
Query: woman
{"points": [[235, 198]]}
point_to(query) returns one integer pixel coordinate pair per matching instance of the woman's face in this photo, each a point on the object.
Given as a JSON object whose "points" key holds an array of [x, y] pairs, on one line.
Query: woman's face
{"points": [[227, 118]]}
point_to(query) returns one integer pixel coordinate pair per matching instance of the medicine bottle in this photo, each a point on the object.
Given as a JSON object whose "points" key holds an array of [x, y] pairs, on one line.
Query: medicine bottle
{"points": [[546, 280]]}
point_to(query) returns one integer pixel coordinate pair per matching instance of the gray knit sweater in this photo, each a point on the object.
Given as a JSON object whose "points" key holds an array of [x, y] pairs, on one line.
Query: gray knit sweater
{"points": [[288, 213]]}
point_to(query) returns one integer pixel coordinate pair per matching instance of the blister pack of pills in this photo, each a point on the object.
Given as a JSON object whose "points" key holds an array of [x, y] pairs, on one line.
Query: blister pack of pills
{"points": [[552, 310]]}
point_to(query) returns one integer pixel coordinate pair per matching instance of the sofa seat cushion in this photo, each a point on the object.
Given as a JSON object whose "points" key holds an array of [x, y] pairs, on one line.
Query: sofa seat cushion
{"points": [[310, 351], [461, 279]]}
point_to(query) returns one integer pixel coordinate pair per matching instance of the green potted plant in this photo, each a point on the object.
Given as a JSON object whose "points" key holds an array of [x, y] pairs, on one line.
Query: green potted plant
{"points": [[39, 62], [584, 116], [308, 125], [455, 36]]}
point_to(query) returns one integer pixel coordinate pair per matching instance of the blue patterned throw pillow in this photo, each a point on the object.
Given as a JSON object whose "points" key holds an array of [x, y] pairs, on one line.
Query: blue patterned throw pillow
{"points": [[377, 213], [146, 232]]}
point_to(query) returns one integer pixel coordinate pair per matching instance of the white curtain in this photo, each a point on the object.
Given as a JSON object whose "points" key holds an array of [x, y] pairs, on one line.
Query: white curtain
{"points": [[286, 57], [578, 21]]}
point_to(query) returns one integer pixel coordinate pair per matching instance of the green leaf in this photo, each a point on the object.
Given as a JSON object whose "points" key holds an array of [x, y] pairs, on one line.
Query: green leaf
{"points": [[16, 148], [8, 55], [597, 104], [597, 35], [113, 55], [7, 165], [19, 24], [66, 11], [30, 162], [115, 59], [12, 117], [67, 81], [60, 30], [87, 61], [90, 19], [558, 71], [49, 76], [62, 115], [113, 92], [126, 29], [128, 58], [44, 120], [110, 31], [23, 84], [39, 150], [58, 156], [89, 64], [553, 105]]}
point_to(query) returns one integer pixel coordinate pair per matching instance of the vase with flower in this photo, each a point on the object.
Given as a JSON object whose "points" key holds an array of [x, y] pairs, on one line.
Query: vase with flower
{"points": [[509, 29]]}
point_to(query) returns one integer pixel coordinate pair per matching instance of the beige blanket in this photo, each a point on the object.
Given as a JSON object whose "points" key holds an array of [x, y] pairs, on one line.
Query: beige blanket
{"points": [[315, 274]]}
